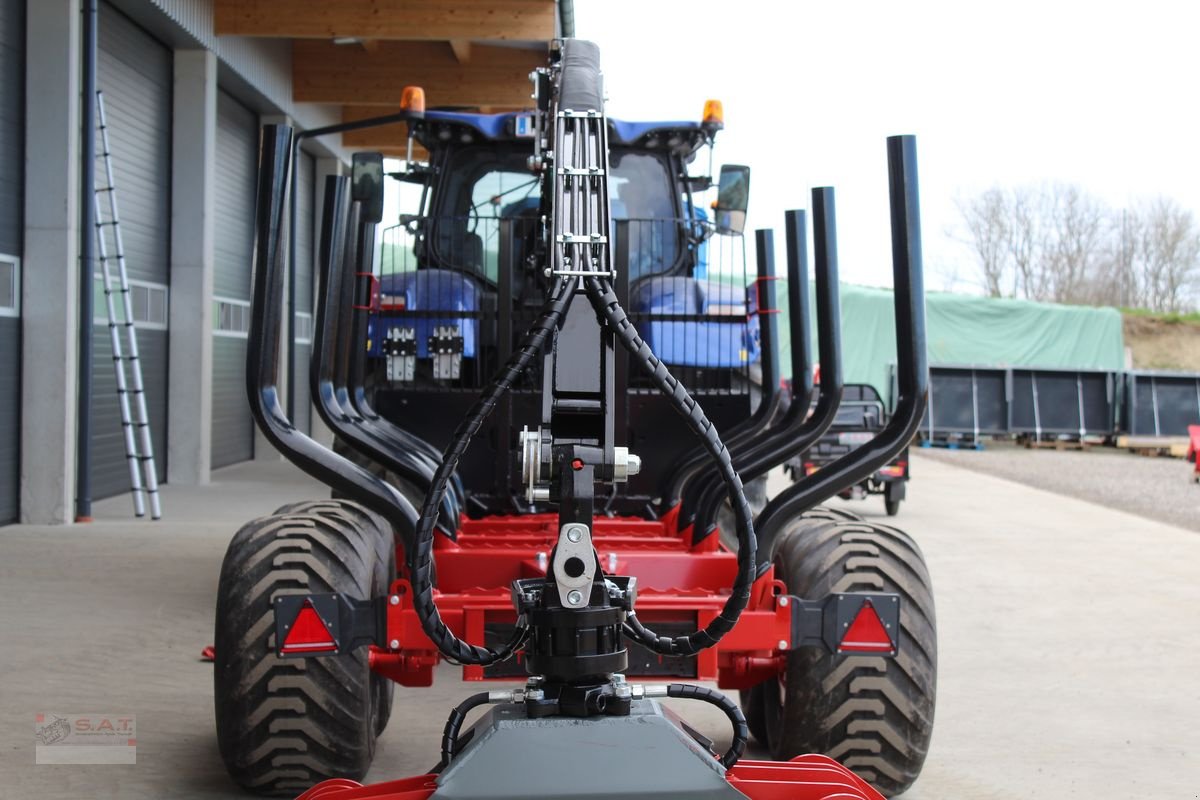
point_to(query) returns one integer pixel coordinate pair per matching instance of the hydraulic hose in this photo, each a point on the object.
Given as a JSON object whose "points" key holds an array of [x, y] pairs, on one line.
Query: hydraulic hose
{"points": [[604, 300], [421, 560], [687, 691], [458, 715]]}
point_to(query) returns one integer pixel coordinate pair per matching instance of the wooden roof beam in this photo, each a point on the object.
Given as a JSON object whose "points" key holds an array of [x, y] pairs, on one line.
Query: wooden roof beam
{"points": [[323, 72], [440, 20]]}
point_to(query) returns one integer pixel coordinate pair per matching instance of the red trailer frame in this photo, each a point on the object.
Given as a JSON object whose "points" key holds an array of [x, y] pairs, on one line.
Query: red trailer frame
{"points": [[678, 581]]}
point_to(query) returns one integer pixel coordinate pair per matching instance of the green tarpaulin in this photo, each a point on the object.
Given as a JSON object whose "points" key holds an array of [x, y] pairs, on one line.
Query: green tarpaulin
{"points": [[964, 330]]}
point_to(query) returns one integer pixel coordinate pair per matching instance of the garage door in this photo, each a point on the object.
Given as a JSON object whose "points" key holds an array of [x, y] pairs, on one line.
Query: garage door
{"points": [[304, 292], [134, 72], [237, 154], [12, 160]]}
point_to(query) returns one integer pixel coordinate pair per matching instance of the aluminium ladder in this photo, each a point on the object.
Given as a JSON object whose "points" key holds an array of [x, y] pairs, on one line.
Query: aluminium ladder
{"points": [[139, 450]]}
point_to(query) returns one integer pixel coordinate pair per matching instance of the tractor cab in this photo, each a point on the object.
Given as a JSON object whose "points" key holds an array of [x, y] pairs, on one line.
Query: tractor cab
{"points": [[458, 275]]}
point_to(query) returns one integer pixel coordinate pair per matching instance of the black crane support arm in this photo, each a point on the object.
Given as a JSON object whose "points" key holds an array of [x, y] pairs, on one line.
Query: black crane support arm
{"points": [[912, 368], [798, 432], [707, 480], [262, 357], [330, 354]]}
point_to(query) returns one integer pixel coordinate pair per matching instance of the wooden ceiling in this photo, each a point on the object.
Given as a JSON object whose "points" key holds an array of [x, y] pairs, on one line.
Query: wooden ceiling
{"points": [[360, 54]]}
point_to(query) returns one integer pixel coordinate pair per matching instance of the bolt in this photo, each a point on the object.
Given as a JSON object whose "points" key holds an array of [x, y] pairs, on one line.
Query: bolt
{"points": [[394, 644], [575, 597], [783, 644], [574, 534], [783, 601], [617, 678], [394, 600]]}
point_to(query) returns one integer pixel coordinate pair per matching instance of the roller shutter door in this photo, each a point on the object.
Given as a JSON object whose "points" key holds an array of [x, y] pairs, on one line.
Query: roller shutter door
{"points": [[12, 160], [304, 291], [135, 74], [237, 155]]}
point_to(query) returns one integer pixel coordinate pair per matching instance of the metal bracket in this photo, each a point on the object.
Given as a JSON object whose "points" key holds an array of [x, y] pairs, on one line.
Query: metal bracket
{"points": [[446, 350], [351, 623], [826, 623], [400, 348], [574, 565]]}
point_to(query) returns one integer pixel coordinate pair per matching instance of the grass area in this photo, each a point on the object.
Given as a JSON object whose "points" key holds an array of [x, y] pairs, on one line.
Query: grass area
{"points": [[1169, 317]]}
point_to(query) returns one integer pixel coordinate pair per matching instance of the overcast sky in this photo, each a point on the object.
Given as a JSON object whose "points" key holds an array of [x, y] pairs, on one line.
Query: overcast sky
{"points": [[1101, 94]]}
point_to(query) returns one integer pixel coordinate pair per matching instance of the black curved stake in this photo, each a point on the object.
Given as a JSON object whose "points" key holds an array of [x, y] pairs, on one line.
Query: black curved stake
{"points": [[797, 432], [912, 369], [262, 358]]}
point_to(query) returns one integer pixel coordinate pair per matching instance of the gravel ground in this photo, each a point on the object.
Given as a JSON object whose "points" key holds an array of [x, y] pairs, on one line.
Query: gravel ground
{"points": [[1156, 488]]}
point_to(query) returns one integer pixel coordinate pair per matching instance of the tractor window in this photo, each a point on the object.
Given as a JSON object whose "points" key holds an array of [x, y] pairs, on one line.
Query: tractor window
{"points": [[641, 190], [482, 186]]}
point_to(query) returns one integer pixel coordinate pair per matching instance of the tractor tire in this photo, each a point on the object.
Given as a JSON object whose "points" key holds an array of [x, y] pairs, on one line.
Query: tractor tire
{"points": [[286, 724], [874, 715]]}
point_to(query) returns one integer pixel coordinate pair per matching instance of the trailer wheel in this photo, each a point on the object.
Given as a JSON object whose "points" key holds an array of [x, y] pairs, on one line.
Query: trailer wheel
{"points": [[892, 497], [831, 514], [386, 550], [875, 715], [751, 702], [286, 724]]}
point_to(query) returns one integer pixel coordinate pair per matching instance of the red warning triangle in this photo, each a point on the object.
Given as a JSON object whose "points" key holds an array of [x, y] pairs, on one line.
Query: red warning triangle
{"points": [[309, 634], [866, 633]]}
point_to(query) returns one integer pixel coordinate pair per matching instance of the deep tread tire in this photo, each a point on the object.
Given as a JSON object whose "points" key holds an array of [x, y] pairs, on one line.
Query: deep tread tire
{"points": [[751, 703], [831, 514], [874, 715], [286, 724]]}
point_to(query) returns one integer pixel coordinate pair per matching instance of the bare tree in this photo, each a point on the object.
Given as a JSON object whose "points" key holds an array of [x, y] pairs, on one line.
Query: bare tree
{"points": [[987, 221], [1057, 242], [1025, 244], [1074, 241], [1169, 255]]}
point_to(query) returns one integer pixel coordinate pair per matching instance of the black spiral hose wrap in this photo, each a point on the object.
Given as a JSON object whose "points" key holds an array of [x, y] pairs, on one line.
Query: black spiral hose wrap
{"points": [[605, 302], [458, 716], [421, 559], [741, 731]]}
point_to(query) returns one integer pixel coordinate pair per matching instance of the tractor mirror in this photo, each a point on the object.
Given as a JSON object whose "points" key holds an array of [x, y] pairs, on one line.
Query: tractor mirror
{"points": [[368, 185], [733, 196]]}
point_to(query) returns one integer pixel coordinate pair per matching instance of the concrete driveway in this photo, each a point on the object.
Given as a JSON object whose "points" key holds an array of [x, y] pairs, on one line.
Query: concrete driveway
{"points": [[1068, 632]]}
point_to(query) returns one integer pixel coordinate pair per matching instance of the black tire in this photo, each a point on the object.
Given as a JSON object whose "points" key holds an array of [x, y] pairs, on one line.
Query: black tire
{"points": [[893, 495], [286, 724], [831, 514], [874, 715], [751, 703], [891, 506], [383, 688]]}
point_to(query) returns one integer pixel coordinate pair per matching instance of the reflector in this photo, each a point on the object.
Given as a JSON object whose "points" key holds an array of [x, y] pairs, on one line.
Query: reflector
{"points": [[866, 633], [309, 633]]}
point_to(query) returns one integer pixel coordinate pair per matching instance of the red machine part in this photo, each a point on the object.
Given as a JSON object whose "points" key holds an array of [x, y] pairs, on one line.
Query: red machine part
{"points": [[678, 581], [811, 777]]}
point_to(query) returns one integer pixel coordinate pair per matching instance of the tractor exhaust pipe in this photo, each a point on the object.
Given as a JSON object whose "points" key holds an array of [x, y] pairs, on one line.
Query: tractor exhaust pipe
{"points": [[912, 369], [263, 349]]}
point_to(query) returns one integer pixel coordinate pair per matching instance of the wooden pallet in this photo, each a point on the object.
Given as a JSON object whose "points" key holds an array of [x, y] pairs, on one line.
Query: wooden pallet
{"points": [[1057, 444], [1172, 446]]}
